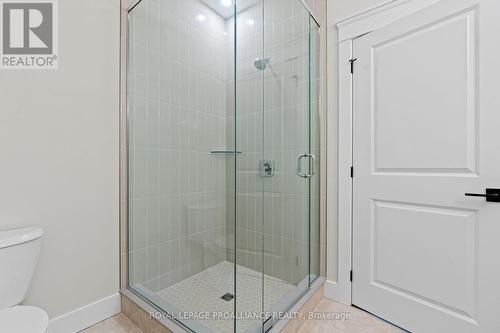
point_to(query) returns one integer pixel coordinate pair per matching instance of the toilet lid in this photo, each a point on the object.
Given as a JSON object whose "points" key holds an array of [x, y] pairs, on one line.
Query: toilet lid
{"points": [[23, 319]]}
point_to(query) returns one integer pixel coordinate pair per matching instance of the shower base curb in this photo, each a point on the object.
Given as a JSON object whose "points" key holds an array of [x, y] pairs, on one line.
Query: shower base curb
{"points": [[282, 323], [138, 309]]}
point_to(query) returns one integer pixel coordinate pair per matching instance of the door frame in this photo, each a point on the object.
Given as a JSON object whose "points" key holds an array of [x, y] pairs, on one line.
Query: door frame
{"points": [[348, 30]]}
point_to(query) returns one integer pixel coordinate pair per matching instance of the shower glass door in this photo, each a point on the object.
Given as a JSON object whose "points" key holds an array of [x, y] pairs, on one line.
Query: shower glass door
{"points": [[277, 173], [286, 144], [288, 224]]}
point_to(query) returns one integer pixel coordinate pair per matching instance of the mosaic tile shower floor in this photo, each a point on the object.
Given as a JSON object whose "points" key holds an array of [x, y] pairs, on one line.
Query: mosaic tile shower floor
{"points": [[202, 293]]}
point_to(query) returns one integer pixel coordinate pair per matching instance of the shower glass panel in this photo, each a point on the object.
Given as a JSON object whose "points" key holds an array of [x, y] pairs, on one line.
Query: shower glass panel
{"points": [[179, 58], [223, 146], [249, 139]]}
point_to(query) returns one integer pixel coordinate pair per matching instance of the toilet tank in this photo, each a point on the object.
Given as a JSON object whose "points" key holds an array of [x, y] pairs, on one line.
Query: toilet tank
{"points": [[19, 252]]}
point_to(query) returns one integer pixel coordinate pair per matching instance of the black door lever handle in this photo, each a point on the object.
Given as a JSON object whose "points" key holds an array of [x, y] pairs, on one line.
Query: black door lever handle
{"points": [[482, 195], [492, 195]]}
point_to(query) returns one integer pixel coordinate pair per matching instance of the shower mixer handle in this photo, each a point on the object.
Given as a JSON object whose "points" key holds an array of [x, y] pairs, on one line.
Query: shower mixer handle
{"points": [[266, 168], [312, 161]]}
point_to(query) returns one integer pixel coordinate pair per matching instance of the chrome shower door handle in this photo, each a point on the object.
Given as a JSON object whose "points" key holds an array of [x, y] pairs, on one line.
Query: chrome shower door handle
{"points": [[299, 166], [312, 161], [313, 164]]}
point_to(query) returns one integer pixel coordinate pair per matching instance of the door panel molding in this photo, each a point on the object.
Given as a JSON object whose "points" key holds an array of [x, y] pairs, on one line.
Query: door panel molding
{"points": [[432, 222]]}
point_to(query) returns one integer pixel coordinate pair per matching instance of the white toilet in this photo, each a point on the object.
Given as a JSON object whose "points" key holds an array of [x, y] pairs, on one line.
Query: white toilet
{"points": [[19, 251]]}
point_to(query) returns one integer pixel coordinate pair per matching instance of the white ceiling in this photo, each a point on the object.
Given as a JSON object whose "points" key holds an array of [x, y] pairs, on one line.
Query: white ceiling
{"points": [[227, 12]]}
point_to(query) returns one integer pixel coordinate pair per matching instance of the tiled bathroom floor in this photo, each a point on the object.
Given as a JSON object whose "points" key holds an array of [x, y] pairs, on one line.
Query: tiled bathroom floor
{"points": [[117, 324], [360, 322]]}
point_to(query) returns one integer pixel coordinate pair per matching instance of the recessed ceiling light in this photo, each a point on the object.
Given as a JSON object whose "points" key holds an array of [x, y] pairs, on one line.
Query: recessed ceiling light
{"points": [[200, 18], [226, 3], [250, 21]]}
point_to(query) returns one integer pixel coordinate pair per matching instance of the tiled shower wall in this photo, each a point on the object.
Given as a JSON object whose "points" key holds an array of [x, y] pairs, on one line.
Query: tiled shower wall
{"points": [[271, 124], [177, 115]]}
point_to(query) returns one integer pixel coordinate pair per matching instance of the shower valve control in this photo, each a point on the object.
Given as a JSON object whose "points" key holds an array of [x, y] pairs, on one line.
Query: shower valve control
{"points": [[266, 168]]}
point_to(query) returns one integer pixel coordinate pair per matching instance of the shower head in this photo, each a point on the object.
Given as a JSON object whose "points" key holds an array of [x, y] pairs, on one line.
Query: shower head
{"points": [[261, 64]]}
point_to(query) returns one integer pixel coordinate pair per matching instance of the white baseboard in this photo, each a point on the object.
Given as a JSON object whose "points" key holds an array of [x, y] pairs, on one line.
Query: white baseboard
{"points": [[338, 293], [86, 316]]}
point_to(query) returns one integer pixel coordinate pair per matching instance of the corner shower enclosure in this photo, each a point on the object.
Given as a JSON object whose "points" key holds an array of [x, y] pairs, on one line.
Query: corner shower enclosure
{"points": [[223, 159]]}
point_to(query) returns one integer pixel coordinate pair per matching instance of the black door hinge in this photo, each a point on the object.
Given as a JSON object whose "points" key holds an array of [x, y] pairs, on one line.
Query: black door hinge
{"points": [[352, 172], [352, 64], [350, 276]]}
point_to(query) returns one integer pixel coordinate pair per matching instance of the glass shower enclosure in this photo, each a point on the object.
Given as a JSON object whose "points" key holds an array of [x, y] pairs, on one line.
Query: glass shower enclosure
{"points": [[223, 159]]}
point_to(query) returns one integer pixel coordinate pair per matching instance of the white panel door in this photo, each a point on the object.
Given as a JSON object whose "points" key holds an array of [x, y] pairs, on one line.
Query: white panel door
{"points": [[426, 125]]}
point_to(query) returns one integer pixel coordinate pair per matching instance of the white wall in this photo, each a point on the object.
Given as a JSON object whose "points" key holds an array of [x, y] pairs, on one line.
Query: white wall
{"points": [[59, 158], [341, 9], [337, 10]]}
